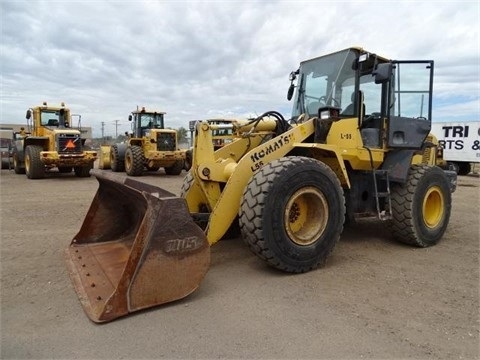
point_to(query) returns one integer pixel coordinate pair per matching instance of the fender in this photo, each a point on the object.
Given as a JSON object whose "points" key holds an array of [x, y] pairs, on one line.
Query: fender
{"points": [[36, 140]]}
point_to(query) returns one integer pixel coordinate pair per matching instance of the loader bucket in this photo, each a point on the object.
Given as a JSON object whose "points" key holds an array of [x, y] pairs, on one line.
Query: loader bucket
{"points": [[138, 247]]}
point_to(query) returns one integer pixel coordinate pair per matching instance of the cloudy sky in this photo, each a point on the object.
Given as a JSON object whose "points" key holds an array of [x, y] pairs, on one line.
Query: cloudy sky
{"points": [[208, 59]]}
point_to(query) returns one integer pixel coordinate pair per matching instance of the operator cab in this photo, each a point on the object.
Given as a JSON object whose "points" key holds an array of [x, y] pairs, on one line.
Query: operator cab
{"points": [[353, 83], [144, 121], [51, 118]]}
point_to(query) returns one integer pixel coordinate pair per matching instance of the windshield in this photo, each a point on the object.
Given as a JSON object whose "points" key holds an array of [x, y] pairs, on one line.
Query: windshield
{"points": [[50, 118], [330, 81], [151, 121], [322, 81]]}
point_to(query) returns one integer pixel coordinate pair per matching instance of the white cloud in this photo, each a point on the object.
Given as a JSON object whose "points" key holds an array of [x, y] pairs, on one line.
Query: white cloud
{"points": [[204, 59]]}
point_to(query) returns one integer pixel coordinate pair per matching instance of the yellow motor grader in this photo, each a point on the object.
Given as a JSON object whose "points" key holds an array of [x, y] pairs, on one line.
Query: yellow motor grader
{"points": [[357, 145]]}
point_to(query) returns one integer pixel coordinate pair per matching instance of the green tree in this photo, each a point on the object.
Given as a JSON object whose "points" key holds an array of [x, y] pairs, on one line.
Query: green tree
{"points": [[182, 135]]}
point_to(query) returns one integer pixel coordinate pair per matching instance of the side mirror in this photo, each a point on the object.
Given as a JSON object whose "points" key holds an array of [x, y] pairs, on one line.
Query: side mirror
{"points": [[29, 114], [291, 89], [129, 117], [383, 73]]}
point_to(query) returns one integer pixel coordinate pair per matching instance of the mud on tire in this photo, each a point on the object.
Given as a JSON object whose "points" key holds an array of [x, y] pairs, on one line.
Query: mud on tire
{"points": [[292, 213], [421, 207]]}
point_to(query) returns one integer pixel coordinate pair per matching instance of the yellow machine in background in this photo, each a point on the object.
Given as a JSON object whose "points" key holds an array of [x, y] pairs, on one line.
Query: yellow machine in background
{"points": [[221, 136], [51, 142], [148, 148], [358, 145]]}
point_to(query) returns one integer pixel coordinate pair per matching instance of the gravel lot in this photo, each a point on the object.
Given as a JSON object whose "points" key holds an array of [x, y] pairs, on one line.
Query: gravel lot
{"points": [[375, 298]]}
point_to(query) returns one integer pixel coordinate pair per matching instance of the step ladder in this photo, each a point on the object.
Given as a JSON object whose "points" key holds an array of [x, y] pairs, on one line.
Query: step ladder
{"points": [[383, 193]]}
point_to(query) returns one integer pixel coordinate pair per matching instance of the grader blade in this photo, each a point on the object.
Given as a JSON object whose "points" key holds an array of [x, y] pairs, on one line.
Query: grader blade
{"points": [[138, 247]]}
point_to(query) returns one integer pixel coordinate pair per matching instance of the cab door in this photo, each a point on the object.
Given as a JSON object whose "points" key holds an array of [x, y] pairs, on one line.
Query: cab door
{"points": [[410, 104]]}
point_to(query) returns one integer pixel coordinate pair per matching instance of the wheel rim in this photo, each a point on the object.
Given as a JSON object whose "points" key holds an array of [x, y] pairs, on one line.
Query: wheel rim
{"points": [[306, 216], [433, 207], [27, 163], [128, 160]]}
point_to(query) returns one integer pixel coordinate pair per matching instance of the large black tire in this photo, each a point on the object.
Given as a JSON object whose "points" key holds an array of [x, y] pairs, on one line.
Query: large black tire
{"points": [[5, 164], [134, 160], [464, 168], [82, 171], [117, 164], [175, 169], [18, 167], [187, 183], [34, 168], [188, 160], [292, 213], [421, 207]]}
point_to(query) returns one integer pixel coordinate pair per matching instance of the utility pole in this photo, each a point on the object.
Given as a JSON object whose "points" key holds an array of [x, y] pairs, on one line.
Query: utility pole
{"points": [[116, 128], [103, 129]]}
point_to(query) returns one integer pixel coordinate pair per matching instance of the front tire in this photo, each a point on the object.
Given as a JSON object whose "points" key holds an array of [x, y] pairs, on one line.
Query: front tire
{"points": [[134, 160], [421, 207], [34, 167], [188, 160], [292, 213]]}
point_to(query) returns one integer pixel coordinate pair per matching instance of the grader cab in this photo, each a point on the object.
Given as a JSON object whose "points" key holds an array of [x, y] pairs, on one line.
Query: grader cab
{"points": [[288, 185]]}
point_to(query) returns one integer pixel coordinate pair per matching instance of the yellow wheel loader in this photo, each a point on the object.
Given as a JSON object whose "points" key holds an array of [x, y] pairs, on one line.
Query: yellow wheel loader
{"points": [[51, 142], [358, 145], [149, 147]]}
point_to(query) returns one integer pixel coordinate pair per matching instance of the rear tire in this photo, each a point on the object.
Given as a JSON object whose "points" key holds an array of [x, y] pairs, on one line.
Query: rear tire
{"points": [[82, 171], [464, 168], [34, 167], [17, 164], [117, 164], [421, 207], [292, 213], [175, 169], [134, 160]]}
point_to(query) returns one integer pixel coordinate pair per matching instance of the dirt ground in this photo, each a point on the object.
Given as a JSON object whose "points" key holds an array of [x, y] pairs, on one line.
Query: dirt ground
{"points": [[374, 299]]}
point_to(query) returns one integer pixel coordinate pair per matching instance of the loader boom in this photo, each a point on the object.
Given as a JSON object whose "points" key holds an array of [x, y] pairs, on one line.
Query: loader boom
{"points": [[224, 168]]}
